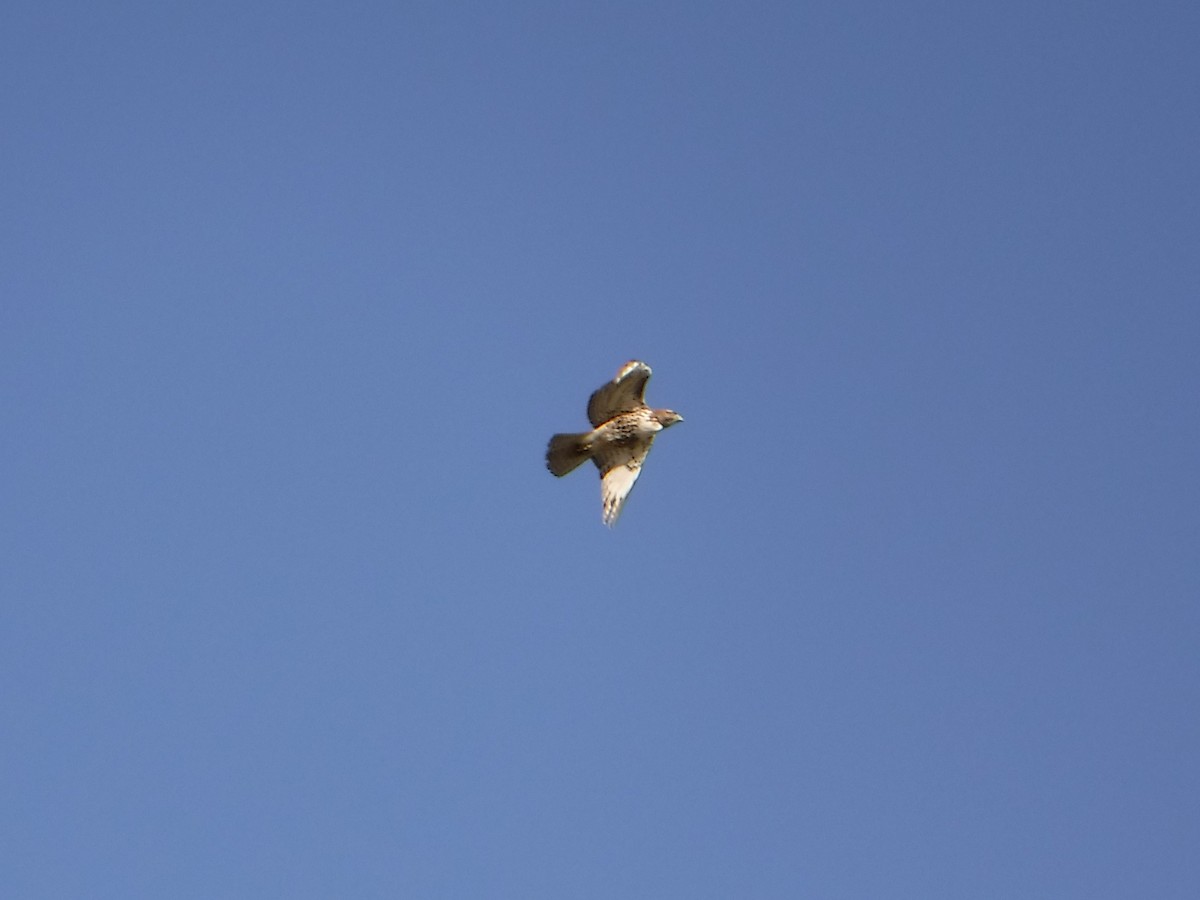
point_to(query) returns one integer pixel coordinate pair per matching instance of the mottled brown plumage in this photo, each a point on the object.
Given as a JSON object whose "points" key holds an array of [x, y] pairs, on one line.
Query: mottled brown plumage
{"points": [[623, 429]]}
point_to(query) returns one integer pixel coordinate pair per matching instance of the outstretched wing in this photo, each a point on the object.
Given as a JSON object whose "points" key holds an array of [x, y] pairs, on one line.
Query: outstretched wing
{"points": [[623, 394], [619, 467]]}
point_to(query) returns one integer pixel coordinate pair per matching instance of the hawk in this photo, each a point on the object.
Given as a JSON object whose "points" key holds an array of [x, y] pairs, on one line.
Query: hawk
{"points": [[623, 428]]}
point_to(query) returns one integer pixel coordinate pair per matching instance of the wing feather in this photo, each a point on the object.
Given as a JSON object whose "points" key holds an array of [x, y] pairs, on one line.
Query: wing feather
{"points": [[625, 393], [619, 469]]}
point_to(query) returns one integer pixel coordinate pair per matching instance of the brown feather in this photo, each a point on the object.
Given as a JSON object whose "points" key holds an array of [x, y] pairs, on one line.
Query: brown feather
{"points": [[566, 453], [624, 429]]}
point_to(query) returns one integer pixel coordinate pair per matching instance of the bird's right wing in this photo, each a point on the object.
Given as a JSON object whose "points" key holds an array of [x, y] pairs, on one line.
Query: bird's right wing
{"points": [[625, 393]]}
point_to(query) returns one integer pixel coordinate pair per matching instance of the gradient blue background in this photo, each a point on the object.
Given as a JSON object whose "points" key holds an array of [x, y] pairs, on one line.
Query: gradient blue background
{"points": [[292, 296]]}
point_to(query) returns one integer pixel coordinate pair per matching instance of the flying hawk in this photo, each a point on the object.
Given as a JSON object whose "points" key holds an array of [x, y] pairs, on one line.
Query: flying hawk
{"points": [[623, 428]]}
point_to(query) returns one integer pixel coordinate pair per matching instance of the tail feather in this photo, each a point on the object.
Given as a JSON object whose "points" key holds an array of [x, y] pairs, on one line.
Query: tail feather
{"points": [[566, 453]]}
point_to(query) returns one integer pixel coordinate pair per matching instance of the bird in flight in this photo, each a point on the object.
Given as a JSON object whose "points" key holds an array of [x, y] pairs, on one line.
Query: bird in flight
{"points": [[623, 428]]}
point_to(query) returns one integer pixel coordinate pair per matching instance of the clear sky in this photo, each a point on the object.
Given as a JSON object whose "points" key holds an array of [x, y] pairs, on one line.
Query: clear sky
{"points": [[292, 296]]}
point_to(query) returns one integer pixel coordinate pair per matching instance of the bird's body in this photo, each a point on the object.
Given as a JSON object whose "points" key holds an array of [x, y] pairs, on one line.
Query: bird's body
{"points": [[623, 430]]}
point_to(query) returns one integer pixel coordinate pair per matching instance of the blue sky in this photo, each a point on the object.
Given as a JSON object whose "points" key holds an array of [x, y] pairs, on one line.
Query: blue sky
{"points": [[293, 296]]}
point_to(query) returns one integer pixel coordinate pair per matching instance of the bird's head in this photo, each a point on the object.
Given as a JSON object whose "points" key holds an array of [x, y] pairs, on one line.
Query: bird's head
{"points": [[667, 417]]}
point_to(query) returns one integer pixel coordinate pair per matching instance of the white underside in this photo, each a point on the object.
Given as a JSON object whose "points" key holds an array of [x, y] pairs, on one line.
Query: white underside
{"points": [[614, 488]]}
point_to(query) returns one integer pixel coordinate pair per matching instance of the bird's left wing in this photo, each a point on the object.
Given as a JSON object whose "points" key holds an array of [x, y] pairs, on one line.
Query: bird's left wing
{"points": [[625, 393], [619, 469]]}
